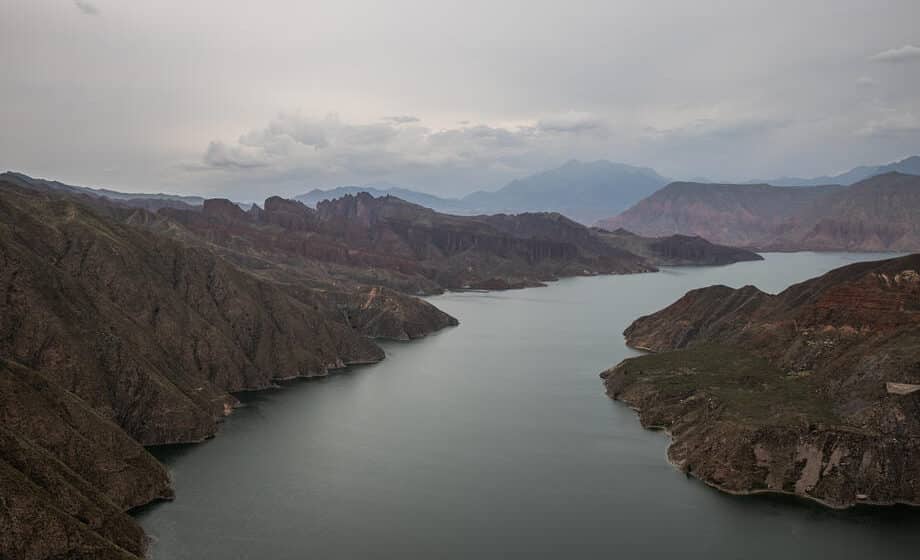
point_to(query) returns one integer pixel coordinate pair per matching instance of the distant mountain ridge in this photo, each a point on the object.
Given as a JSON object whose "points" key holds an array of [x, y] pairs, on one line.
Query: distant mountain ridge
{"points": [[446, 205], [876, 214], [150, 201], [909, 166], [582, 191]]}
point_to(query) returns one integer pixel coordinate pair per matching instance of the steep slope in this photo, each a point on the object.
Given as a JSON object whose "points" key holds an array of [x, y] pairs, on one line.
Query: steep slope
{"points": [[739, 215], [676, 250], [387, 241], [149, 331], [478, 251], [67, 474], [584, 191], [814, 391], [877, 214], [113, 336]]}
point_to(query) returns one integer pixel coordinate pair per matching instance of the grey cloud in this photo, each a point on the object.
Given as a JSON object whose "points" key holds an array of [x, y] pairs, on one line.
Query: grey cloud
{"points": [[402, 119], [494, 99], [86, 7], [220, 155], [331, 149], [572, 121], [907, 53]]}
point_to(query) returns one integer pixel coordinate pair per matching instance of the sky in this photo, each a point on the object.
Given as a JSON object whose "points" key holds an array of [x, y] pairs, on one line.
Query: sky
{"points": [[246, 99]]}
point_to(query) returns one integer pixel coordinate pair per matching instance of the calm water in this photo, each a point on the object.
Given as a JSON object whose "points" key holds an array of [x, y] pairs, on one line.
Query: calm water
{"points": [[493, 440]]}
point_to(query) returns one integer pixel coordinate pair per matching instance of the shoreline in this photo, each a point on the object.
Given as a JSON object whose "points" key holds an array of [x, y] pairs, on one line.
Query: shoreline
{"points": [[756, 492]]}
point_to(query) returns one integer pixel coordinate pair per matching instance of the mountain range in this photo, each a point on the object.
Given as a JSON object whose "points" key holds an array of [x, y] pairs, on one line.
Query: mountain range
{"points": [[876, 214], [582, 191], [909, 166], [143, 200], [123, 327]]}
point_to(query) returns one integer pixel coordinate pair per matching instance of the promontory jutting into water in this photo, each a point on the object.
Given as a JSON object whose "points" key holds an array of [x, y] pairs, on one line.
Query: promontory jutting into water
{"points": [[494, 439]]}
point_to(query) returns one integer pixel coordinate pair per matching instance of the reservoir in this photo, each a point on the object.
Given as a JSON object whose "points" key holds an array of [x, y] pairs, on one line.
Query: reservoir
{"points": [[494, 440]]}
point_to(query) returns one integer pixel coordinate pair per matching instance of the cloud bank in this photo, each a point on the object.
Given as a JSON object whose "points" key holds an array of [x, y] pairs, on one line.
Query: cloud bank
{"points": [[86, 7], [907, 53]]}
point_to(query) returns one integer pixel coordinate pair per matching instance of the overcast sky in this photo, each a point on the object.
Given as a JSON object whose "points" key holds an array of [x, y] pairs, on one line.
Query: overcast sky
{"points": [[280, 96]]}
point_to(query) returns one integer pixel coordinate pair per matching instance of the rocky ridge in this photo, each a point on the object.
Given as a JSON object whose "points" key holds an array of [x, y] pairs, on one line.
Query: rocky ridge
{"points": [[676, 250], [114, 337], [809, 392], [875, 214]]}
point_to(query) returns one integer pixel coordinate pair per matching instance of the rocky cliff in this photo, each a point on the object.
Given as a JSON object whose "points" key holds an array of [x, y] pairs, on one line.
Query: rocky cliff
{"points": [[114, 336], [738, 215], [390, 242], [876, 214], [813, 392]]}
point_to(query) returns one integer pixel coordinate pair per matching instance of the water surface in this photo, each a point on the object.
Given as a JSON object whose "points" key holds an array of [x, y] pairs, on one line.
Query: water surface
{"points": [[493, 439]]}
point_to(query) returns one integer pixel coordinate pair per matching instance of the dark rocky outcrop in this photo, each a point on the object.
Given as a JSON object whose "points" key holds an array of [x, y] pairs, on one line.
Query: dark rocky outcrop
{"points": [[813, 392], [387, 241], [114, 336], [676, 250]]}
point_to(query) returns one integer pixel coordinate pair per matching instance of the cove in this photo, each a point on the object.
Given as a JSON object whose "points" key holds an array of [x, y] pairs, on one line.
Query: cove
{"points": [[493, 439]]}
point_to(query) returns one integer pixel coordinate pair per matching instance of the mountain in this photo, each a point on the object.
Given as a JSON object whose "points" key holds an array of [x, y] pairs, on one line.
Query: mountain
{"points": [[114, 335], [908, 166], [583, 191], [676, 250], [445, 205], [140, 200], [813, 392], [740, 215], [390, 242], [877, 214]]}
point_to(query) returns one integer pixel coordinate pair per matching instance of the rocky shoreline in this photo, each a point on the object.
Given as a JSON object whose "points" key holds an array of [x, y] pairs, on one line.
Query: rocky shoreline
{"points": [[810, 392]]}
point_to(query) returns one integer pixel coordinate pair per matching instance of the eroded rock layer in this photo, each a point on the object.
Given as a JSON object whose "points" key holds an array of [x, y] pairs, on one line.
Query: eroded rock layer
{"points": [[808, 392], [114, 336]]}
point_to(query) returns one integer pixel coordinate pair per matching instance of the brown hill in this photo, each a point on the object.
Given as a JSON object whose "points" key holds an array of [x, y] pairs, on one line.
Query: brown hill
{"points": [[814, 391], [739, 215], [877, 214], [404, 246], [113, 336]]}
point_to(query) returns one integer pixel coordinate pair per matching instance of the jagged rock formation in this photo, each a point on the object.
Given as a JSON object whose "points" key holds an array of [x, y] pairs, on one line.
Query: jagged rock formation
{"points": [[406, 247], [676, 250], [114, 336], [804, 392], [876, 214]]}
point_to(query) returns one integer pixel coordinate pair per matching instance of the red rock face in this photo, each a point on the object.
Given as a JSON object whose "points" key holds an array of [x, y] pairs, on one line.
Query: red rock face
{"points": [[408, 245], [834, 346], [877, 214]]}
